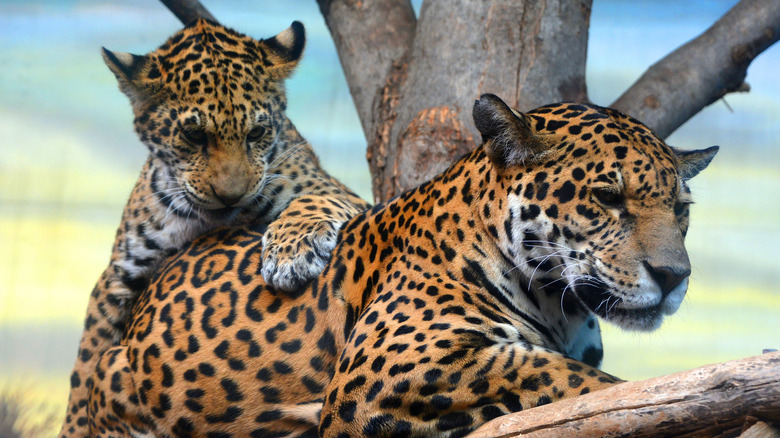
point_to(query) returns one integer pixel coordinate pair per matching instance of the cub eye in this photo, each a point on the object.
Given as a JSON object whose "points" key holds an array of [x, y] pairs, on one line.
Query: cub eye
{"points": [[255, 134], [608, 197], [194, 135]]}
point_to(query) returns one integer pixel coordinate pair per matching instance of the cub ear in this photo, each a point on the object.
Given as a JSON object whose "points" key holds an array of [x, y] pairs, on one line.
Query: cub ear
{"points": [[690, 163], [506, 134], [284, 50], [128, 69]]}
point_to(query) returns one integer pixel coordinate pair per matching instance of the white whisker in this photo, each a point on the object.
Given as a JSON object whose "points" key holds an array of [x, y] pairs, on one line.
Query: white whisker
{"points": [[286, 154]]}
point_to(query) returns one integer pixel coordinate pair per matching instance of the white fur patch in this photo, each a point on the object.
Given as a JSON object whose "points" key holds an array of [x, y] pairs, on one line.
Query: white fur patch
{"points": [[675, 298]]}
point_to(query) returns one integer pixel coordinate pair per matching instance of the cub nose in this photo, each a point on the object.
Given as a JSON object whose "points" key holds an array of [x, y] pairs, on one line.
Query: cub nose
{"points": [[227, 197], [668, 277]]}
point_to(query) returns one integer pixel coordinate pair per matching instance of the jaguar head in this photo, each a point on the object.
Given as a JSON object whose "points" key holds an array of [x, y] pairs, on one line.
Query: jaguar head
{"points": [[210, 105], [596, 205]]}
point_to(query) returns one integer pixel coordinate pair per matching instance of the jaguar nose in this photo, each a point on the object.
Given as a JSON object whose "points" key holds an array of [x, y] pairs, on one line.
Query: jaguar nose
{"points": [[668, 277]]}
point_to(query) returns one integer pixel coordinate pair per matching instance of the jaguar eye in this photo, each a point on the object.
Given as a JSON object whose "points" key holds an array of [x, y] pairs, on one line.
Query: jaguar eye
{"points": [[256, 133], [194, 135], [681, 207], [608, 197]]}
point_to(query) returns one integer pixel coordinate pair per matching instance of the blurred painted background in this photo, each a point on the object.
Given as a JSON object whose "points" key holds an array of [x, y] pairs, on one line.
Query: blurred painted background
{"points": [[69, 157]]}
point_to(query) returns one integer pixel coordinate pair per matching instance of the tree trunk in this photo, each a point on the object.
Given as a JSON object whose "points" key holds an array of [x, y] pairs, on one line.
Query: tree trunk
{"points": [[530, 52], [708, 401], [384, 26]]}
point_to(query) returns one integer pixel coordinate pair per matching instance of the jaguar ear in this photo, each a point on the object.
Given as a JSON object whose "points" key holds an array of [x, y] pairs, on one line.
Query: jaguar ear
{"points": [[690, 163], [128, 69], [506, 134], [284, 50]]}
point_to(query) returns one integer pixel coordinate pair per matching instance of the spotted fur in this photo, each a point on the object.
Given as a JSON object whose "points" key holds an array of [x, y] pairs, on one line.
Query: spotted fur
{"points": [[210, 106], [469, 297]]}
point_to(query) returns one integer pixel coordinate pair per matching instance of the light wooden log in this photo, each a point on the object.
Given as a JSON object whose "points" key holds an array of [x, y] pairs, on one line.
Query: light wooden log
{"points": [[702, 402]]}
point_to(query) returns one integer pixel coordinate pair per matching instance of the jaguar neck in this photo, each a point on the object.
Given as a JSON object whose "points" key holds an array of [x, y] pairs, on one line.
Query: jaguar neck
{"points": [[439, 232], [533, 259]]}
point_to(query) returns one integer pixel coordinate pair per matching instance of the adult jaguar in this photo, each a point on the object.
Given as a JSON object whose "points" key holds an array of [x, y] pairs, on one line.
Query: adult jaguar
{"points": [[210, 106], [466, 298]]}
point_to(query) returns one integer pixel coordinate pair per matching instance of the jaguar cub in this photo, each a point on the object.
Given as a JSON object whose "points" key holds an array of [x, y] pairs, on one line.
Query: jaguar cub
{"points": [[209, 105], [474, 295]]}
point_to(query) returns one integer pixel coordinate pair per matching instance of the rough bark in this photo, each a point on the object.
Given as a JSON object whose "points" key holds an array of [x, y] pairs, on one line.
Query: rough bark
{"points": [[703, 70], [384, 116], [188, 10], [708, 401]]}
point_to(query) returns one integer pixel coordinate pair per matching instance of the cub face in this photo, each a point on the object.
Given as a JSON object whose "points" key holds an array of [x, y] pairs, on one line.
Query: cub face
{"points": [[597, 199], [209, 104]]}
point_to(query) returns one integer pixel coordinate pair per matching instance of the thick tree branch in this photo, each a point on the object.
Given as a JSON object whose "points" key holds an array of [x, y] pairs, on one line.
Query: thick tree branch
{"points": [[369, 36], [703, 70], [709, 401], [188, 10]]}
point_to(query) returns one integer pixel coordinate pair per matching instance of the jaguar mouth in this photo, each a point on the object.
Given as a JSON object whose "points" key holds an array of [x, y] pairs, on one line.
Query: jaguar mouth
{"points": [[611, 308], [220, 214]]}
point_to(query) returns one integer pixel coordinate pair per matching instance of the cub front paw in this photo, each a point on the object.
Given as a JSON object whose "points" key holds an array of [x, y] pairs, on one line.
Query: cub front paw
{"points": [[294, 254]]}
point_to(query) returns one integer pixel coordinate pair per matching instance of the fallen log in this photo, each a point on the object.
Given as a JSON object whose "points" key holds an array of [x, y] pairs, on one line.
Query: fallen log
{"points": [[715, 400]]}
